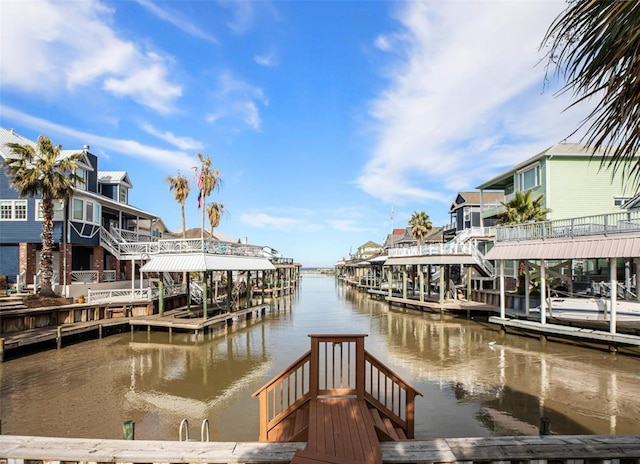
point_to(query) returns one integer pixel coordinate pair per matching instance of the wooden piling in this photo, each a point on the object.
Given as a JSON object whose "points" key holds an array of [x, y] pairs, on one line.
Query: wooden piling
{"points": [[1, 349], [129, 429], [545, 426], [59, 337]]}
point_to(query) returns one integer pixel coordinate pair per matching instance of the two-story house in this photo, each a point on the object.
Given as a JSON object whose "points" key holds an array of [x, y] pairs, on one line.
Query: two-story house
{"points": [[568, 176], [466, 208], [98, 210]]}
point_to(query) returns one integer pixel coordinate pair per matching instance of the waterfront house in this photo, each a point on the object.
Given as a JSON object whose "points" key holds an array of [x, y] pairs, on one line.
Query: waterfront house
{"points": [[99, 209], [466, 209], [570, 178]]}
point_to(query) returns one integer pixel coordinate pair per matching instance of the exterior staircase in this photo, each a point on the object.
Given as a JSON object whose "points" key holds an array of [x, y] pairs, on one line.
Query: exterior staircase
{"points": [[339, 399]]}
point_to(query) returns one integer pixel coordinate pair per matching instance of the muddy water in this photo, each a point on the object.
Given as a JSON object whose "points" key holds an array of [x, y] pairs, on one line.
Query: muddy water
{"points": [[474, 383]]}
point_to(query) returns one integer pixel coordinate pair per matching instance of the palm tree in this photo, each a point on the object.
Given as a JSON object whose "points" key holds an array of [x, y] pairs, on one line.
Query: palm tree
{"points": [[594, 46], [180, 186], [420, 226], [41, 170], [522, 208], [208, 182], [215, 211]]}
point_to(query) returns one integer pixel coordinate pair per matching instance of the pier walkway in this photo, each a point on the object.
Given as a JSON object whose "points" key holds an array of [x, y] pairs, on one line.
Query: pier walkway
{"points": [[340, 400]]}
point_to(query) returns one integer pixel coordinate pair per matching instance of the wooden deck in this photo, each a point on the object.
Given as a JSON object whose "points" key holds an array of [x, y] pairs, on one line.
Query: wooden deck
{"points": [[181, 320], [341, 430], [574, 449]]}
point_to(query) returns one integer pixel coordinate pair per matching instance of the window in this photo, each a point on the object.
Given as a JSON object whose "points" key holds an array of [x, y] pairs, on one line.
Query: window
{"points": [[86, 211], [58, 210], [123, 194], [529, 178], [13, 210], [78, 208], [82, 174], [619, 201]]}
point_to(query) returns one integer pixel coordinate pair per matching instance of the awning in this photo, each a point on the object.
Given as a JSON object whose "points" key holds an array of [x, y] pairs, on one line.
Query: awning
{"points": [[593, 246], [438, 260], [197, 262]]}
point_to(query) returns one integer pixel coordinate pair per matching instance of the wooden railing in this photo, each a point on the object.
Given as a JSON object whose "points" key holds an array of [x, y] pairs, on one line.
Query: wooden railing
{"points": [[285, 393], [336, 365]]}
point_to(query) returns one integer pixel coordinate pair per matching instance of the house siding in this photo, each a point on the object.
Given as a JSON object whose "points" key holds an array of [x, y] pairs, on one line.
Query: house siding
{"points": [[577, 187], [10, 261]]}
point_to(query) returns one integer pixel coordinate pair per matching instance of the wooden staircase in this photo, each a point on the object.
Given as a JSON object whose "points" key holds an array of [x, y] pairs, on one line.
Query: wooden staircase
{"points": [[339, 399]]}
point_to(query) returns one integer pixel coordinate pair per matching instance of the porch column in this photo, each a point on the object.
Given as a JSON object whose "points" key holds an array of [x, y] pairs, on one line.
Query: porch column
{"points": [[543, 291], [527, 295], [404, 282], [161, 295], [613, 294], [229, 290], [421, 281], [502, 295], [469, 269], [441, 285], [204, 296]]}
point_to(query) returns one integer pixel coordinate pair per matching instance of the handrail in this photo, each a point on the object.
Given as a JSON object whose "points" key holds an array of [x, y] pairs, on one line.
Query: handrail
{"points": [[336, 365], [277, 401], [379, 380]]}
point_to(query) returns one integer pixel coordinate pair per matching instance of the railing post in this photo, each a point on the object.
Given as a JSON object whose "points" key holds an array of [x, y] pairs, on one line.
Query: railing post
{"points": [[360, 370], [314, 365], [410, 410]]}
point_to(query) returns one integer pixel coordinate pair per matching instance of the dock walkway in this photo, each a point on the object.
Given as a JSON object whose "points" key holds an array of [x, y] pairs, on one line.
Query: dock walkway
{"points": [[577, 449]]}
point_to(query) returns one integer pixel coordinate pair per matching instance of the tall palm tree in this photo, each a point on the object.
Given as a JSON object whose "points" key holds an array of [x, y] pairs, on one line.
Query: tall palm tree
{"points": [[208, 182], [180, 186], [41, 170], [215, 211], [420, 226], [594, 46], [523, 208]]}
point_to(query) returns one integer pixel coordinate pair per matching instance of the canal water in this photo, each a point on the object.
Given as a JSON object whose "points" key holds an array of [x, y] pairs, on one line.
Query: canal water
{"points": [[474, 382]]}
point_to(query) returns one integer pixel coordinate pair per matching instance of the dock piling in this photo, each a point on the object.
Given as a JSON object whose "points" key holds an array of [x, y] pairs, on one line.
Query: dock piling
{"points": [[129, 429], [545, 426], [1, 350], [59, 337]]}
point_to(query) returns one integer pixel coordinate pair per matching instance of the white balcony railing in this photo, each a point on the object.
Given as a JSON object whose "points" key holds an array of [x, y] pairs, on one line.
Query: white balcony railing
{"points": [[85, 277], [574, 227]]}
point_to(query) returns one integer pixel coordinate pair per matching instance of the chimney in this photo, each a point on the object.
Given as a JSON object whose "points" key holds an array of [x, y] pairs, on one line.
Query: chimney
{"points": [[86, 148]]}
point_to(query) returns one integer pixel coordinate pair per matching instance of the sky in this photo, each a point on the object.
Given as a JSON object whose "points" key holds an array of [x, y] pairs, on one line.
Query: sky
{"points": [[323, 117]]}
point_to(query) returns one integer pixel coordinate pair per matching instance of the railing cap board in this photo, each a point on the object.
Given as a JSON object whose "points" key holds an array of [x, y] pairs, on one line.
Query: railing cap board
{"points": [[286, 371]]}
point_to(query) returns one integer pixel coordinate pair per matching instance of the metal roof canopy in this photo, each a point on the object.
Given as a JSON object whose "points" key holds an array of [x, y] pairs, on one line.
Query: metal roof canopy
{"points": [[438, 260], [199, 262], [594, 246]]}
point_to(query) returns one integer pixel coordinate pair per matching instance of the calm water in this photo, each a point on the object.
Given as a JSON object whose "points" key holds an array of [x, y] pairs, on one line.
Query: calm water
{"points": [[471, 386]]}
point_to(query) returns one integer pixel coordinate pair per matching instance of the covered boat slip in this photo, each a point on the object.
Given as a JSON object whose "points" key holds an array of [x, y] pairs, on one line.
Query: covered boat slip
{"points": [[612, 247], [204, 263]]}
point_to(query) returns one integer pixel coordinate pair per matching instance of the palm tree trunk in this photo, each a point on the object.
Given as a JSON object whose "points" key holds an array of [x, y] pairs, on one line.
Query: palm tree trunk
{"points": [[46, 255]]}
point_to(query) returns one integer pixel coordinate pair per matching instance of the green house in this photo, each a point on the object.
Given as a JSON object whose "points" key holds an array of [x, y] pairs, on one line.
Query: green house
{"points": [[571, 179]]}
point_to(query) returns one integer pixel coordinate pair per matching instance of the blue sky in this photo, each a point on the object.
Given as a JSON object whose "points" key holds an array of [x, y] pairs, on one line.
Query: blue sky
{"points": [[320, 115]]}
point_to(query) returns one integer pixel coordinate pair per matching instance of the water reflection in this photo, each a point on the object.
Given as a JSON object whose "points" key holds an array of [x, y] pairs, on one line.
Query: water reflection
{"points": [[474, 382]]}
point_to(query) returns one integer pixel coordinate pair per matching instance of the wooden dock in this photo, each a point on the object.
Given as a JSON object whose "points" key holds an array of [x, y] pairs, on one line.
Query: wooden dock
{"points": [[574, 449], [181, 320]]}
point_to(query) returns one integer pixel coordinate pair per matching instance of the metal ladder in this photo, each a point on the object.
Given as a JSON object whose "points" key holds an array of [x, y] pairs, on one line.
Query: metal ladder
{"points": [[183, 434]]}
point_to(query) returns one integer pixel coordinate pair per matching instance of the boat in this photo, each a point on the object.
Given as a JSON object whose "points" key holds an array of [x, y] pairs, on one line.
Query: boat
{"points": [[590, 309]]}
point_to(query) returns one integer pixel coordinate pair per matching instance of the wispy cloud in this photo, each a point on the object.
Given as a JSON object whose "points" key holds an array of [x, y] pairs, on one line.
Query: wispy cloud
{"points": [[177, 20], [183, 143], [266, 221], [132, 148], [243, 15], [464, 98], [267, 60], [56, 46], [238, 100]]}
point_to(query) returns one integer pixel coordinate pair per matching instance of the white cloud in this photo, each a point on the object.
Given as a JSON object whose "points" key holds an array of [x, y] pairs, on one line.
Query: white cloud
{"points": [[183, 143], [465, 100], [266, 221], [237, 100], [52, 46], [177, 20], [133, 148], [243, 15], [266, 60]]}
